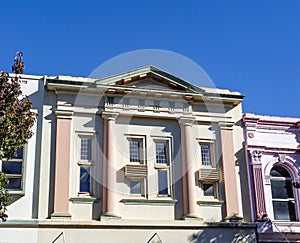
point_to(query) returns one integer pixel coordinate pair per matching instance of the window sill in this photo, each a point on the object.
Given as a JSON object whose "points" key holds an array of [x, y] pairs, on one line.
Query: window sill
{"points": [[85, 163], [153, 202], [17, 192], [84, 200], [210, 203]]}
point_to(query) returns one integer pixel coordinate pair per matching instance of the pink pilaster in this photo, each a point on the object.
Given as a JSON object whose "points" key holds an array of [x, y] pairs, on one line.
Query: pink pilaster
{"points": [[188, 173], [229, 170], [110, 200], [62, 165], [259, 190]]}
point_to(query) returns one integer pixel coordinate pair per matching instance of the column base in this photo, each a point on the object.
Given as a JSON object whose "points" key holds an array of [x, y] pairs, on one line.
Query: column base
{"points": [[61, 216], [109, 216], [191, 217]]}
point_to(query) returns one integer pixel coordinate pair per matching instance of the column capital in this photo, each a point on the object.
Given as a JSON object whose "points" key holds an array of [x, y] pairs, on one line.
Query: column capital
{"points": [[255, 156], [109, 115], [59, 113], [186, 120], [226, 125]]}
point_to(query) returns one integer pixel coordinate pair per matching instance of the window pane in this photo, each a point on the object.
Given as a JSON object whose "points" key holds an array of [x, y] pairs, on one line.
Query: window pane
{"points": [[278, 171], [14, 183], [163, 182], [284, 210], [208, 190], [161, 153], [19, 154], [282, 189], [12, 167], [86, 149], [135, 147], [205, 154], [85, 182], [135, 187]]}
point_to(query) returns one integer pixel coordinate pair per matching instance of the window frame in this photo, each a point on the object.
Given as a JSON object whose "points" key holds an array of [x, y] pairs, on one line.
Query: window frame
{"points": [[215, 189], [85, 163], [21, 190], [212, 152], [163, 166], [142, 154], [287, 200]]}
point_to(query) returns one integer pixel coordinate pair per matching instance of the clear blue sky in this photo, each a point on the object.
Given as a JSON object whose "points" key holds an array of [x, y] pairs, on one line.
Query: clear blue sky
{"points": [[248, 46]]}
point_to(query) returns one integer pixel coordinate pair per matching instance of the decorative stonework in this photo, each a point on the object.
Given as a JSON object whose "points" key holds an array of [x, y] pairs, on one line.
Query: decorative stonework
{"points": [[256, 156], [281, 157]]}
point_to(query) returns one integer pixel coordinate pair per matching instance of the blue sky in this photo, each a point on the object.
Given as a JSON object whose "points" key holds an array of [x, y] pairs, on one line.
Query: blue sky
{"points": [[248, 46]]}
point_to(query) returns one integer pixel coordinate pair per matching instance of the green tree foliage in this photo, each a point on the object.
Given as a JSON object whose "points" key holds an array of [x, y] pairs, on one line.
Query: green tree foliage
{"points": [[16, 121]]}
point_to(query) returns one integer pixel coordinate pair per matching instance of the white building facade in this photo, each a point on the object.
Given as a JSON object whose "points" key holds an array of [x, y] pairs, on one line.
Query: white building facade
{"points": [[141, 156]]}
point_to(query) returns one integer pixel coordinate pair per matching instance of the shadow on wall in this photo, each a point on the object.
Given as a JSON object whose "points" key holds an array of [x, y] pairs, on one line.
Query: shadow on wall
{"points": [[223, 235], [241, 162]]}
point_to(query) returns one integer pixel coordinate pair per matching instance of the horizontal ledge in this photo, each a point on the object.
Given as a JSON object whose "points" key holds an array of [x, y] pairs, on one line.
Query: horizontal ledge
{"points": [[154, 202], [210, 203], [16, 192], [84, 200]]}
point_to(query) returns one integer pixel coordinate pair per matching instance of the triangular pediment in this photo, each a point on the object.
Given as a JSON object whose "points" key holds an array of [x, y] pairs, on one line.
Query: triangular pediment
{"points": [[149, 78]]}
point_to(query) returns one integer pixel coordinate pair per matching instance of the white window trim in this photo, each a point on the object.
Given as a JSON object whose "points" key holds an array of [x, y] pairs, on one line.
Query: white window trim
{"points": [[142, 138], [159, 166], [211, 143], [85, 163], [20, 191]]}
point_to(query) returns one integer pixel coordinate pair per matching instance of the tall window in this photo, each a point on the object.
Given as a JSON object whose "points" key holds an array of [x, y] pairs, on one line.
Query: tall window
{"points": [[85, 164], [13, 168], [162, 166], [206, 154], [282, 194], [135, 150]]}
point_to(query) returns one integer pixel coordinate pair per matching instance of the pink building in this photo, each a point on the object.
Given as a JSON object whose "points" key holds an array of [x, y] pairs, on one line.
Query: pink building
{"points": [[272, 146]]}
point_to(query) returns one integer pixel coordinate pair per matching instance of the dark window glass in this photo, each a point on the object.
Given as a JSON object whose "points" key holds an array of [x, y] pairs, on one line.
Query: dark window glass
{"points": [[284, 210], [278, 171], [162, 182], [282, 189], [14, 183], [19, 154], [208, 190], [135, 187], [12, 167], [85, 182]]}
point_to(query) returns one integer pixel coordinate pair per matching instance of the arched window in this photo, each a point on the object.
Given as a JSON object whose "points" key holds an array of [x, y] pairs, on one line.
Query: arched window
{"points": [[282, 194]]}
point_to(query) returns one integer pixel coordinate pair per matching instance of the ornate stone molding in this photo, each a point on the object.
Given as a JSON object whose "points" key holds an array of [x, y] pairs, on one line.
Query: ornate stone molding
{"points": [[110, 115], [281, 157], [186, 120], [226, 125], [255, 156]]}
